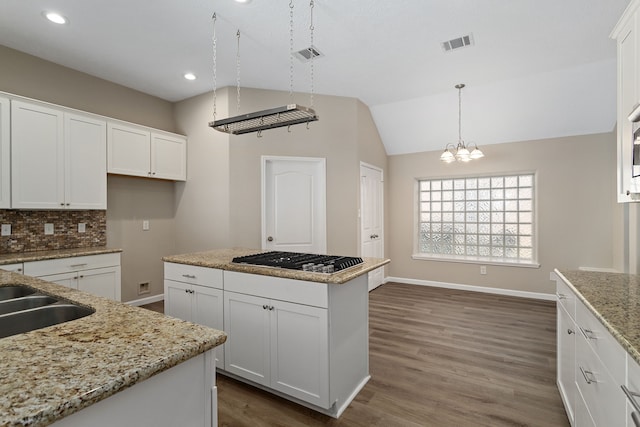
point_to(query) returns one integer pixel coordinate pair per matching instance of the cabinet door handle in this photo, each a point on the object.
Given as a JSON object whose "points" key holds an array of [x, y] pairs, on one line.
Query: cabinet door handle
{"points": [[61, 203], [588, 334], [77, 265], [81, 276], [570, 331], [189, 276], [561, 296], [631, 396], [271, 308], [264, 306], [588, 376]]}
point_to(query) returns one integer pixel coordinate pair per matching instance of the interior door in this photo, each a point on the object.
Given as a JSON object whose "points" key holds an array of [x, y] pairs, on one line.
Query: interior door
{"points": [[372, 219], [294, 204]]}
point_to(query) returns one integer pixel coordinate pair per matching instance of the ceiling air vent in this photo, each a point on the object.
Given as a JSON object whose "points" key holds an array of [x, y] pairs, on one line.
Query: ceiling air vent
{"points": [[458, 43], [305, 55]]}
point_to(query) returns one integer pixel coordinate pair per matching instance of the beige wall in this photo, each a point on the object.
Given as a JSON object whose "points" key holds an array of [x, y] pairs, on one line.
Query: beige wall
{"points": [[576, 205], [339, 136], [130, 200]]}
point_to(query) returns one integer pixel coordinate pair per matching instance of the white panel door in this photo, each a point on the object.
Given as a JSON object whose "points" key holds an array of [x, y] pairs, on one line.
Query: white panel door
{"points": [[37, 157], [299, 352], [294, 204], [372, 219], [207, 309], [85, 142], [246, 351], [168, 157], [128, 150], [103, 282], [5, 154], [177, 299]]}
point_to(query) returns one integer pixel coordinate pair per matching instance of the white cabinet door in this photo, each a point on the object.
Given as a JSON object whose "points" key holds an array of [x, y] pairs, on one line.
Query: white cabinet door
{"points": [[70, 280], [246, 321], [85, 143], [128, 150], [207, 309], [566, 332], [177, 299], [5, 153], [633, 384], [168, 157], [300, 352], [37, 157], [103, 282]]}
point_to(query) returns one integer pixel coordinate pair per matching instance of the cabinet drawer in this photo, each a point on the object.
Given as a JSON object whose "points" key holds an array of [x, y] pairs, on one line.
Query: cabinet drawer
{"points": [[602, 393], [66, 265], [566, 297], [296, 291], [604, 345], [203, 276]]}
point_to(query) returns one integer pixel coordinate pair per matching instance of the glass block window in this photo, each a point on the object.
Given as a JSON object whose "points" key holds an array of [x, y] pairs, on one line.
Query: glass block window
{"points": [[480, 218]]}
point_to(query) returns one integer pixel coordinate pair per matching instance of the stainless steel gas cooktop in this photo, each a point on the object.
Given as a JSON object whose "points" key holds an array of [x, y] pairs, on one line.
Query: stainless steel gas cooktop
{"points": [[300, 261]]}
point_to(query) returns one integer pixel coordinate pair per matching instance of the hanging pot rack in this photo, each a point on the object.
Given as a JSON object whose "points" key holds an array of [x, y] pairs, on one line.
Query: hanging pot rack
{"points": [[285, 116]]}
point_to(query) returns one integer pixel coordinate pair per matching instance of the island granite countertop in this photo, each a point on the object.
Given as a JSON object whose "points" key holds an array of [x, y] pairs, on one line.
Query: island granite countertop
{"points": [[11, 258], [221, 259], [614, 298], [53, 372]]}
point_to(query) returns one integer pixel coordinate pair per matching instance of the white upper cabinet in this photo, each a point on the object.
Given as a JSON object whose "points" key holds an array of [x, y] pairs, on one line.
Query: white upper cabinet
{"points": [[57, 159], [628, 42], [139, 151], [5, 153]]}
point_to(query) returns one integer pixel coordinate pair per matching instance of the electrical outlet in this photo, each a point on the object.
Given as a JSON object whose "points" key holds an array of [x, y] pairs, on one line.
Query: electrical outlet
{"points": [[6, 230], [82, 227], [145, 225], [143, 288], [48, 228], [483, 269]]}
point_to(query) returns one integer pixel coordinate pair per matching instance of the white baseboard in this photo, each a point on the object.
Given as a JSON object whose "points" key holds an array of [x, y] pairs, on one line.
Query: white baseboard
{"points": [[147, 300], [487, 290]]}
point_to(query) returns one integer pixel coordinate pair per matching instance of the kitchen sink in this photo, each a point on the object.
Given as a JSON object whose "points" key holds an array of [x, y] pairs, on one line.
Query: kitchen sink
{"points": [[23, 309], [15, 291], [25, 303]]}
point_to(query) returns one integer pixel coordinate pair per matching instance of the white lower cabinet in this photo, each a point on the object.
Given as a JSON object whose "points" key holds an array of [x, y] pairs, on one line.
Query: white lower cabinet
{"points": [[195, 294], [633, 387], [280, 345], [95, 274], [566, 361]]}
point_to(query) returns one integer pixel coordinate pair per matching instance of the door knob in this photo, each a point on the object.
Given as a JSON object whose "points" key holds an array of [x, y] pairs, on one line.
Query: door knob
{"points": [[269, 239]]}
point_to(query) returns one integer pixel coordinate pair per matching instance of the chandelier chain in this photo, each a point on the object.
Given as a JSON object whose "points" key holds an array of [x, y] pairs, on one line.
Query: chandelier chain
{"points": [[214, 18], [291, 50], [460, 116], [311, 28], [238, 73]]}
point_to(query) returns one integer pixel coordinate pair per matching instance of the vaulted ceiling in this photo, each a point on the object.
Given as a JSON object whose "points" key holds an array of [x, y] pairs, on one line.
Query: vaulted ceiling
{"points": [[537, 69]]}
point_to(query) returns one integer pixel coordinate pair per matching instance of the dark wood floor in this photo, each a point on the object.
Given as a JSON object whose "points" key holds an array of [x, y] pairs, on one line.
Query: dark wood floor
{"points": [[438, 358]]}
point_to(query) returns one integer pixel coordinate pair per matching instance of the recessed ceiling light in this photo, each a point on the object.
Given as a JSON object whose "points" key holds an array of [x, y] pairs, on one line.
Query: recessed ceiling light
{"points": [[55, 17], [190, 76], [243, 1]]}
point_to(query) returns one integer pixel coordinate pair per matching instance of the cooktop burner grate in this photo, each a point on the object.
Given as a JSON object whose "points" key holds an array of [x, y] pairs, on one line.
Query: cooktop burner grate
{"points": [[300, 261]]}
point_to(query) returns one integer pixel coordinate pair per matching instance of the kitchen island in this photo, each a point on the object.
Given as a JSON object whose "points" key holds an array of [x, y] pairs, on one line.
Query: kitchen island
{"points": [[298, 334], [108, 368]]}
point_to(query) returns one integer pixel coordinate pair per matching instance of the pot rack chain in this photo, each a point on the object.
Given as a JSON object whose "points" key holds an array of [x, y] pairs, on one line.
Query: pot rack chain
{"points": [[459, 87], [214, 18], [291, 50], [311, 28]]}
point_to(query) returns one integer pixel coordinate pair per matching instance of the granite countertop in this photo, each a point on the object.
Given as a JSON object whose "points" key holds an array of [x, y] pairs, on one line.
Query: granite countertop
{"points": [[614, 298], [54, 254], [221, 259], [53, 372]]}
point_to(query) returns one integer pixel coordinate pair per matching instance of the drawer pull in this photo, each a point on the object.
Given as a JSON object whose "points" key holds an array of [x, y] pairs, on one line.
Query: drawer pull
{"points": [[561, 296], [588, 376], [570, 331], [588, 334], [78, 265], [264, 306], [189, 276], [631, 396]]}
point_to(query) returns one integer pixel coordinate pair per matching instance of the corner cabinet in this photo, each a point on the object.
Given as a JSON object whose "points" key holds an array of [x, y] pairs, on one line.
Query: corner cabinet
{"points": [[58, 159], [138, 151], [5, 153], [628, 95]]}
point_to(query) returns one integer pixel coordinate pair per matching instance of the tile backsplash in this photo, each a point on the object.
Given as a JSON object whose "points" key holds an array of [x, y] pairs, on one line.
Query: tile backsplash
{"points": [[27, 230]]}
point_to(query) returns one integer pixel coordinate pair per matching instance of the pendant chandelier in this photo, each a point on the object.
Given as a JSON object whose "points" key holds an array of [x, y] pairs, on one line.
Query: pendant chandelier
{"points": [[460, 152], [288, 115]]}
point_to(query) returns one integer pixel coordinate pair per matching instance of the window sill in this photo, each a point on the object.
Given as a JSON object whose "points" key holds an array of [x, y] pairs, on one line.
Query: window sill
{"points": [[476, 260]]}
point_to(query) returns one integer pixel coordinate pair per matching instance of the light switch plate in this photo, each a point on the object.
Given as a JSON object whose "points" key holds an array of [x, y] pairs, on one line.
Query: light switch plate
{"points": [[82, 227], [48, 228], [6, 230], [145, 225]]}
